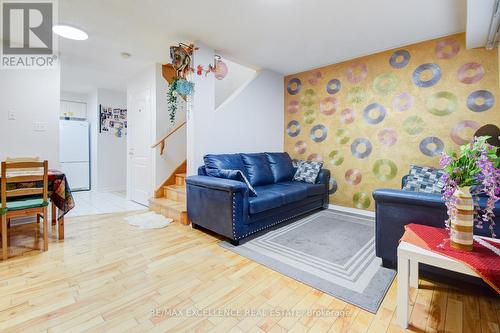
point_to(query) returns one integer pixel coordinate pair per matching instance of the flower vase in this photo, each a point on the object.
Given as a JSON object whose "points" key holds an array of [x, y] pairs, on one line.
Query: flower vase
{"points": [[462, 223]]}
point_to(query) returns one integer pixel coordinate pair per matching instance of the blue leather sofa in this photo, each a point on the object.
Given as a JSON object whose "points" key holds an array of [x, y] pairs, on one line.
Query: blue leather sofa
{"points": [[226, 207], [396, 208]]}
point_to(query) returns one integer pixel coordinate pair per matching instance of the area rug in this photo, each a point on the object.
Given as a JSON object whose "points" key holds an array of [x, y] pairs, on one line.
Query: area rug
{"points": [[149, 220], [331, 251]]}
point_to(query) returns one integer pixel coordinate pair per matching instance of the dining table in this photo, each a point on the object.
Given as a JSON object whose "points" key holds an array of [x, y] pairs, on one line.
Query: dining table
{"points": [[59, 193]]}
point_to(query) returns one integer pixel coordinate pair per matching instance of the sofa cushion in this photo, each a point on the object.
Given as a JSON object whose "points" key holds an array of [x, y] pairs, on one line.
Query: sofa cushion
{"points": [[234, 175], [311, 189], [225, 161], [307, 171], [281, 166], [267, 199], [258, 169], [289, 191]]}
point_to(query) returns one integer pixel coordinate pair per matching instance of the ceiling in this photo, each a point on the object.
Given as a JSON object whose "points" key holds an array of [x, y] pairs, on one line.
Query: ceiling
{"points": [[286, 36]]}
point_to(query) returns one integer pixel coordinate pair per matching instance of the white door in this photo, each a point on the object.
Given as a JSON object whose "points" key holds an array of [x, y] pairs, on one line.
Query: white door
{"points": [[139, 147]]}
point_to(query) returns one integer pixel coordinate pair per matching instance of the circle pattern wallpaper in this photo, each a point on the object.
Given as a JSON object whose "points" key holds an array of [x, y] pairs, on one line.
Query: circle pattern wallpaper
{"points": [[333, 86], [370, 118], [427, 75], [400, 59], [480, 100], [293, 128]]}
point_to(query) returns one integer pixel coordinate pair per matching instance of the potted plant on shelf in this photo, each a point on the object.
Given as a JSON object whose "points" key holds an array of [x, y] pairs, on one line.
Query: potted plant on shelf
{"points": [[474, 169]]}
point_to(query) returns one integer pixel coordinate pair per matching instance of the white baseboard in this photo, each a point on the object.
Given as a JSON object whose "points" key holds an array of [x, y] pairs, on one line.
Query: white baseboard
{"points": [[352, 210]]}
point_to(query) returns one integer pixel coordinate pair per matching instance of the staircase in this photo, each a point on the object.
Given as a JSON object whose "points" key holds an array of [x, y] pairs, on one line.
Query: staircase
{"points": [[171, 202]]}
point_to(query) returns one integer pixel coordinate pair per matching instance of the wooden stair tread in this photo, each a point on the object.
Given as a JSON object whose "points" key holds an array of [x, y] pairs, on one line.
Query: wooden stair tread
{"points": [[177, 188], [181, 174], [168, 203]]}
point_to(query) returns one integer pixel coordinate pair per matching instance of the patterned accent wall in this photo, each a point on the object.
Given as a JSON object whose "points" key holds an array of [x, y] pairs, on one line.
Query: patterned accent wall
{"points": [[368, 119]]}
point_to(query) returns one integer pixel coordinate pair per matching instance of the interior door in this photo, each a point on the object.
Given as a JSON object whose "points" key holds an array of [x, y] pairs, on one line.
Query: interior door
{"points": [[139, 147]]}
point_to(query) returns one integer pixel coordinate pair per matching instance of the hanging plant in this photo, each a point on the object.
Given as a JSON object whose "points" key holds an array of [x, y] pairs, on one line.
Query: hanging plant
{"points": [[178, 87], [177, 72]]}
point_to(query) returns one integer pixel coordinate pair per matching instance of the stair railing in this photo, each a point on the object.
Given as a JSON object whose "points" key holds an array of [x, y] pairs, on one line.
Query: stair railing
{"points": [[161, 142]]}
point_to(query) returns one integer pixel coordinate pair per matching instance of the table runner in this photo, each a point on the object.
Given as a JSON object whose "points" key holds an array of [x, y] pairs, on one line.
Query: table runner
{"points": [[59, 191], [484, 259]]}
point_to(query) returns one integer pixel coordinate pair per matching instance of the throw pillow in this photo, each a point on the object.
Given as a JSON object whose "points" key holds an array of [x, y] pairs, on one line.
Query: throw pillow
{"points": [[233, 175], [307, 171], [424, 179]]}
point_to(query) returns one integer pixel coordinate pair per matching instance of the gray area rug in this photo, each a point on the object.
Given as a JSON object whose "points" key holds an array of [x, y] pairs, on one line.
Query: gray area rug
{"points": [[330, 251]]}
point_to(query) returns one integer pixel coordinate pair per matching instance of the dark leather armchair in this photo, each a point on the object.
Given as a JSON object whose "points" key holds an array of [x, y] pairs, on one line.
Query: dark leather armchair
{"points": [[396, 208]]}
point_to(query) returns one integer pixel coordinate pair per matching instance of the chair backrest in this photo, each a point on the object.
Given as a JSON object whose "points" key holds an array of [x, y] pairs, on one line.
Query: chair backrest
{"points": [[10, 176], [25, 159]]}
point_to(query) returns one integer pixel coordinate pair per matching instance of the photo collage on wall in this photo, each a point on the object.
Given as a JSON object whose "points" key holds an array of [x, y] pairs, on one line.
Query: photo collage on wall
{"points": [[113, 121]]}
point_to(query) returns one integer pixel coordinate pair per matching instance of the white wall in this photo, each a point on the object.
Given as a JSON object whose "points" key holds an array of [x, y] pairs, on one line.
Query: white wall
{"points": [[108, 153], [252, 121], [93, 119], [71, 96], [111, 150], [237, 77], [34, 96]]}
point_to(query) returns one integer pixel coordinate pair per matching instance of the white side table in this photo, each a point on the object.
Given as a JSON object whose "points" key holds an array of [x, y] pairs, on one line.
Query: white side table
{"points": [[409, 256]]}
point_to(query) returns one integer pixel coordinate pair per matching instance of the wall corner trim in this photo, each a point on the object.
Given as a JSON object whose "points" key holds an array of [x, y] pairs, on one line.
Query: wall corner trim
{"points": [[352, 210]]}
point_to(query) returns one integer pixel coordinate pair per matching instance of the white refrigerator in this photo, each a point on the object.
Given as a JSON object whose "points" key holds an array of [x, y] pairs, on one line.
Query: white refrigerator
{"points": [[74, 153]]}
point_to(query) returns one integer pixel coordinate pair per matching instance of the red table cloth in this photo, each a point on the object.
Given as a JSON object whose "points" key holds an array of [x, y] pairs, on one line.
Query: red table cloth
{"points": [[484, 259], [59, 191]]}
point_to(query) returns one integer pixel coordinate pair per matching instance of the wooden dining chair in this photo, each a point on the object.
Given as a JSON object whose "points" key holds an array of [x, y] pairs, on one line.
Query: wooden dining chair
{"points": [[28, 201]]}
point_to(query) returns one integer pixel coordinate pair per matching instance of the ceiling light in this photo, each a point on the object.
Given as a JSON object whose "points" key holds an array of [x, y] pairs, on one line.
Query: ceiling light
{"points": [[125, 55], [70, 32]]}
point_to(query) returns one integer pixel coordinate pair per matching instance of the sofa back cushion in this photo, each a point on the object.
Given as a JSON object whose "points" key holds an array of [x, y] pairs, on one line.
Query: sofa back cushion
{"points": [[258, 169], [281, 166], [225, 161]]}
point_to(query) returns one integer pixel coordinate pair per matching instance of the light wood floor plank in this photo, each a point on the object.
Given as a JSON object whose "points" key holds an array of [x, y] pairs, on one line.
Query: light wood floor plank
{"points": [[107, 276]]}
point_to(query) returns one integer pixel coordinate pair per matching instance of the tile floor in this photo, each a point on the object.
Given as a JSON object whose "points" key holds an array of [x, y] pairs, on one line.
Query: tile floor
{"points": [[93, 203]]}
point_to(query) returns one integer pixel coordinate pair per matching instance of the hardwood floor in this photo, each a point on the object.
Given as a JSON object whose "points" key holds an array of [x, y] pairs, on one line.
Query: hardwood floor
{"points": [[109, 277]]}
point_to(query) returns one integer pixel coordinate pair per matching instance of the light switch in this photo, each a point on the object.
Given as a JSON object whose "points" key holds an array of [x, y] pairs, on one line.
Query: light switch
{"points": [[12, 115], [39, 126]]}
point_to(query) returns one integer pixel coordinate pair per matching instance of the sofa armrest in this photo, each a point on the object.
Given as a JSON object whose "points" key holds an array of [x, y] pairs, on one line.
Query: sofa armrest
{"points": [[396, 208], [215, 183], [323, 177], [382, 196], [217, 204]]}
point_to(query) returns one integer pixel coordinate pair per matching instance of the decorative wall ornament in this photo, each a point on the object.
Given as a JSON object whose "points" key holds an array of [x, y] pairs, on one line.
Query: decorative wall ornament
{"points": [[423, 69], [386, 111], [447, 49], [399, 59], [293, 128], [333, 86], [455, 132], [480, 101], [377, 108], [465, 76], [177, 73], [431, 146], [403, 102], [450, 105]]}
